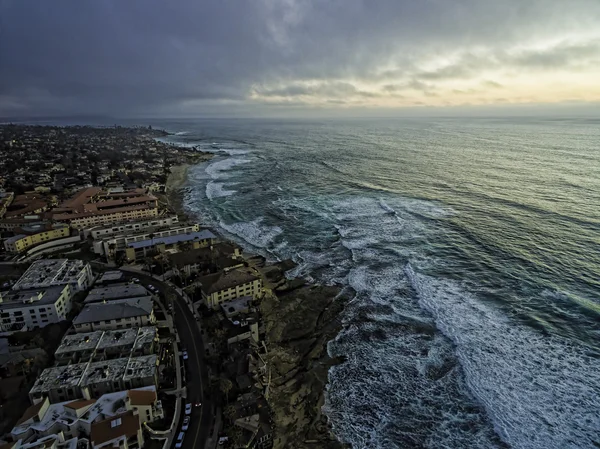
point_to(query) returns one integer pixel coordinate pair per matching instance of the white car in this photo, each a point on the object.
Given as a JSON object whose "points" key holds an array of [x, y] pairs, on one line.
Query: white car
{"points": [[135, 280], [185, 355], [180, 440], [188, 409], [186, 423], [152, 288]]}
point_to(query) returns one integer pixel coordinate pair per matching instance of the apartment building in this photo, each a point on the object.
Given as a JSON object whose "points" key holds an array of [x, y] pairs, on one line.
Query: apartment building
{"points": [[35, 234], [228, 285], [30, 309], [117, 314], [90, 380], [111, 245], [100, 232], [91, 207], [138, 250], [54, 272]]}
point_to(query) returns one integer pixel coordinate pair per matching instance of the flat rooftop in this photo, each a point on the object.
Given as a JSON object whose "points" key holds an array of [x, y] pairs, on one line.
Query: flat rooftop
{"points": [[145, 337], [116, 291], [79, 342], [118, 338], [48, 272], [68, 376], [171, 239], [138, 367], [33, 297], [105, 371], [110, 276]]}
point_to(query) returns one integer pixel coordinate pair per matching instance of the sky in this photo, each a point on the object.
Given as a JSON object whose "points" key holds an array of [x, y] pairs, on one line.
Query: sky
{"points": [[186, 58]]}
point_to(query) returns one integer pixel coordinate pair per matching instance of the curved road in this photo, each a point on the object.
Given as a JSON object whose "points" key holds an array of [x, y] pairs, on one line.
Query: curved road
{"points": [[196, 372]]}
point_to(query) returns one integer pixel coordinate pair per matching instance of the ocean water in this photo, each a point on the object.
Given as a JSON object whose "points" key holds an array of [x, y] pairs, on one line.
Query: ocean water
{"points": [[472, 247]]}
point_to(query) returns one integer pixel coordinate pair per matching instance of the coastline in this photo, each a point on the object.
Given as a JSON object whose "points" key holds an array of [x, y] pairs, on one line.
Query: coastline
{"points": [[300, 319]]}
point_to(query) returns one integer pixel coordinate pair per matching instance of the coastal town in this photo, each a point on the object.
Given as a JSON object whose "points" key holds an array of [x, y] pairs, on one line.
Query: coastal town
{"points": [[127, 323]]}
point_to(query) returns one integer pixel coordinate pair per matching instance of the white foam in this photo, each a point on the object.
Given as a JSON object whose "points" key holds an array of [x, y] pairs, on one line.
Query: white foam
{"points": [[217, 190], [218, 169], [254, 232], [540, 391]]}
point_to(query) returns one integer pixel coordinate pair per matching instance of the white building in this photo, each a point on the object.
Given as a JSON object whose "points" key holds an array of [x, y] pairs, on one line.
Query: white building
{"points": [[53, 272], [99, 232], [34, 308], [91, 380], [84, 417]]}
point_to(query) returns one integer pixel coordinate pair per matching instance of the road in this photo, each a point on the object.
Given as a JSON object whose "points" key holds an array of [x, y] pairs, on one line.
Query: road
{"points": [[196, 373]]}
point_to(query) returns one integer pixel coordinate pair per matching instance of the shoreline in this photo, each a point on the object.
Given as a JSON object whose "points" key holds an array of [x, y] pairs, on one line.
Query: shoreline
{"points": [[300, 320]]}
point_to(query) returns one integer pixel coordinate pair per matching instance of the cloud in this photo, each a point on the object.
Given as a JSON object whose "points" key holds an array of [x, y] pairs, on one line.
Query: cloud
{"points": [[150, 57]]}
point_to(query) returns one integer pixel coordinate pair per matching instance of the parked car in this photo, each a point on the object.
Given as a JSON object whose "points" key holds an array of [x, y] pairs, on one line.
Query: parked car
{"points": [[135, 280], [180, 440], [185, 355], [152, 288], [188, 408], [186, 423]]}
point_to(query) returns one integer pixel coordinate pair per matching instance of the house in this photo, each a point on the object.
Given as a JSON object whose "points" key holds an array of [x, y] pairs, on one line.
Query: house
{"points": [[116, 291], [227, 285]]}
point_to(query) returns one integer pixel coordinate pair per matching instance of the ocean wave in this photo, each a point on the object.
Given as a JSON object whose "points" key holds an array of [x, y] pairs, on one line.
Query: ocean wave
{"points": [[540, 391], [218, 169], [254, 233], [217, 190]]}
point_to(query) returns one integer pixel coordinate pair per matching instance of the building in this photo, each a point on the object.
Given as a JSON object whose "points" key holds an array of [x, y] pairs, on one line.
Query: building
{"points": [[53, 272], [220, 256], [30, 203], [105, 345], [141, 249], [117, 314], [75, 418], [35, 307], [110, 277], [90, 380], [123, 431], [35, 234], [117, 291], [91, 207], [100, 232], [6, 199], [109, 246], [227, 285]]}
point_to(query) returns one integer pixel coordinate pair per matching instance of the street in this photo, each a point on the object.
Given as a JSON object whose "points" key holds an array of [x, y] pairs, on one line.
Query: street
{"points": [[196, 374]]}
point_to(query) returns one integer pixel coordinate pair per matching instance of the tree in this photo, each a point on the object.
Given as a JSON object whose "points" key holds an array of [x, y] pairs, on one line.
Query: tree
{"points": [[230, 412], [225, 385]]}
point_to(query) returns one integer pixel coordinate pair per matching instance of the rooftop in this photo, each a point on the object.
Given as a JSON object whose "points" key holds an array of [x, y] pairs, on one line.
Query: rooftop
{"points": [[172, 239], [33, 297], [226, 279], [104, 371], [79, 342], [119, 308], [110, 276], [125, 425], [237, 306], [59, 377], [144, 366], [145, 337], [118, 337], [48, 272], [116, 291]]}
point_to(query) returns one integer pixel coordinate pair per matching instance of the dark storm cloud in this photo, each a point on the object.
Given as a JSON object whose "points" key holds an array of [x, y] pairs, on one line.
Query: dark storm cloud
{"points": [[154, 57]]}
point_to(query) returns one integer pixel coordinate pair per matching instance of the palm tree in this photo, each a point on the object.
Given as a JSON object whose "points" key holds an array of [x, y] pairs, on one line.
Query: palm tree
{"points": [[225, 385]]}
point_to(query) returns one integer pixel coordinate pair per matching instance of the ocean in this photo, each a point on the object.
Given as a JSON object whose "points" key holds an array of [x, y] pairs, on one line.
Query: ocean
{"points": [[472, 247]]}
